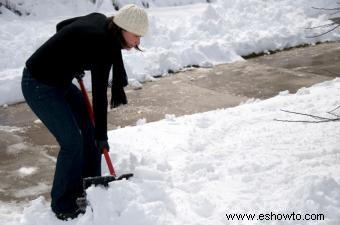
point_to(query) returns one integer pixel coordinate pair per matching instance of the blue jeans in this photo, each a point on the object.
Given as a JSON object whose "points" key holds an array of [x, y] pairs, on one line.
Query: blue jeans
{"points": [[63, 112]]}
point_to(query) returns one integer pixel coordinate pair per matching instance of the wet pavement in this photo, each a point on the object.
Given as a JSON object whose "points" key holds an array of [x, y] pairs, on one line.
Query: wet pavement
{"points": [[28, 152]]}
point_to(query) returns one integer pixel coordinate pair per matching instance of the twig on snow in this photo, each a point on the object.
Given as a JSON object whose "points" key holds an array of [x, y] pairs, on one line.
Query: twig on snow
{"points": [[318, 119]]}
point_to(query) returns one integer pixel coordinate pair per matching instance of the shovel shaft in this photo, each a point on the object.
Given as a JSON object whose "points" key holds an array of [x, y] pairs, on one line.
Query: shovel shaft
{"points": [[86, 99], [109, 163], [91, 115]]}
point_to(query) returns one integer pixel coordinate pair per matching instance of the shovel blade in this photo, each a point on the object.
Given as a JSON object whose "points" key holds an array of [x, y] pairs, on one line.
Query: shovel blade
{"points": [[103, 180], [82, 202]]}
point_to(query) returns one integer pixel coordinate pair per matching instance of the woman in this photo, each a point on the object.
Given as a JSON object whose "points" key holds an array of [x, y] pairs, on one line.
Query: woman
{"points": [[92, 42]]}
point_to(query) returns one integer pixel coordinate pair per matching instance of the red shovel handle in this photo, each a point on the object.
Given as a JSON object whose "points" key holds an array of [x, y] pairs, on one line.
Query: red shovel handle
{"points": [[108, 162], [91, 115], [87, 100]]}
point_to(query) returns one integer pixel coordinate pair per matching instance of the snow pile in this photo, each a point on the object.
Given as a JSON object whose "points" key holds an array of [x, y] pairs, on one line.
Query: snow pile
{"points": [[199, 34], [47, 8], [196, 169]]}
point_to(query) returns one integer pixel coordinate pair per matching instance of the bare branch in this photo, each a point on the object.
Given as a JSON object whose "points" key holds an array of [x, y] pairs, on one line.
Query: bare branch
{"points": [[336, 21], [332, 112], [318, 119], [326, 9], [308, 121], [306, 114], [321, 26], [335, 109], [324, 32]]}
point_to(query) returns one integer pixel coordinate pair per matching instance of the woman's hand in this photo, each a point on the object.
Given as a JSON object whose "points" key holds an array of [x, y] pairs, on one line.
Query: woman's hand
{"points": [[101, 144], [118, 97]]}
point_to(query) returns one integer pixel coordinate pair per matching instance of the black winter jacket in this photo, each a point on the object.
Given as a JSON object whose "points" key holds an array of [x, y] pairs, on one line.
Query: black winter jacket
{"points": [[82, 43]]}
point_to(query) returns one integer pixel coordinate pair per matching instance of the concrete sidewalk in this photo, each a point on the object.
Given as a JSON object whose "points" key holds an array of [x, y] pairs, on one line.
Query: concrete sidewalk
{"points": [[188, 92]]}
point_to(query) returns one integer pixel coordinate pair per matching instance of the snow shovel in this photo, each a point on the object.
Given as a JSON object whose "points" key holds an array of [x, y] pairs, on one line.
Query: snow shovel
{"points": [[100, 180]]}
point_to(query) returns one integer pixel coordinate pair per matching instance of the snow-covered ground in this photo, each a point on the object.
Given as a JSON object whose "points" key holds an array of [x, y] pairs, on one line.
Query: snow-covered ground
{"points": [[194, 170], [198, 34]]}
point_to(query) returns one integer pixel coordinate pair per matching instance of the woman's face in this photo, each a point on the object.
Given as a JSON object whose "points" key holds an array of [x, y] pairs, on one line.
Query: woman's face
{"points": [[131, 40]]}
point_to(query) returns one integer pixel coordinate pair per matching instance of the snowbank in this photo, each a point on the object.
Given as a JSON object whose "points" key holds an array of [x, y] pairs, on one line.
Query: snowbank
{"points": [[199, 34]]}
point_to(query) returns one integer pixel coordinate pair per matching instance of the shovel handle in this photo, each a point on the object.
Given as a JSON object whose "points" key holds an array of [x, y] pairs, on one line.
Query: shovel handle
{"points": [[91, 115], [108, 162], [86, 99]]}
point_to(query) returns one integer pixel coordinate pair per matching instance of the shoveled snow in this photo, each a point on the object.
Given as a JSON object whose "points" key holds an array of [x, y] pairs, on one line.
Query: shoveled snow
{"points": [[195, 169]]}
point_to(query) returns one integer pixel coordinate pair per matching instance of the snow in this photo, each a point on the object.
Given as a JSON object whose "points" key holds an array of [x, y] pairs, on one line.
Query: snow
{"points": [[186, 34], [195, 169]]}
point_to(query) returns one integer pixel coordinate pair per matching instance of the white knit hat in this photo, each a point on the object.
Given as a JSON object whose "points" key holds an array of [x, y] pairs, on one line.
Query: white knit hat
{"points": [[133, 19]]}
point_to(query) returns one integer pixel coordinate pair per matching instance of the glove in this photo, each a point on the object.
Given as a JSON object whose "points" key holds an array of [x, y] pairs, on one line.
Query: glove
{"points": [[101, 144], [118, 96]]}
